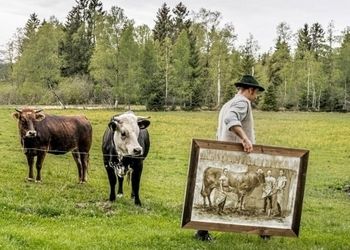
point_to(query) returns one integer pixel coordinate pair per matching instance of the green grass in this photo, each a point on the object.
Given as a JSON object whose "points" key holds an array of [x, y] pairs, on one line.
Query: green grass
{"points": [[61, 214]]}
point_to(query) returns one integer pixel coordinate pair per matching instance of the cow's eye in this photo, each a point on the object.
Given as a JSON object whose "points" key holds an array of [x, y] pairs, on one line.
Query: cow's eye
{"points": [[23, 121]]}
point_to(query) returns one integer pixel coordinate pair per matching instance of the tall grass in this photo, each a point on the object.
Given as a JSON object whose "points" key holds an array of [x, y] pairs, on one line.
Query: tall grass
{"points": [[61, 214]]}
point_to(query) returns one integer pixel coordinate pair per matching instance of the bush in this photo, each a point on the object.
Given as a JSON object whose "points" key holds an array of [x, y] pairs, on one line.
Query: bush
{"points": [[75, 90], [25, 94]]}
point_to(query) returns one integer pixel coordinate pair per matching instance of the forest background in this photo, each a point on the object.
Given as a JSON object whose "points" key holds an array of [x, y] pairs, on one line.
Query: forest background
{"points": [[186, 61]]}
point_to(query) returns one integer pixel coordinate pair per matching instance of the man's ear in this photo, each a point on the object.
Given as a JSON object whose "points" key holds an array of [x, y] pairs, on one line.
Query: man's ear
{"points": [[143, 123]]}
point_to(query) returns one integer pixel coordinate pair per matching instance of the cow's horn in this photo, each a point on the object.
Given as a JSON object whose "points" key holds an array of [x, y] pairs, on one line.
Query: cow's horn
{"points": [[39, 110], [19, 111], [143, 118]]}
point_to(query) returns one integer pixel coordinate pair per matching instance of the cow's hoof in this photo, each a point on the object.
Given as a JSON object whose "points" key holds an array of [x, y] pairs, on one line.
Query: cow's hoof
{"points": [[138, 203], [203, 235], [265, 237], [119, 195], [82, 182], [30, 179], [38, 181]]}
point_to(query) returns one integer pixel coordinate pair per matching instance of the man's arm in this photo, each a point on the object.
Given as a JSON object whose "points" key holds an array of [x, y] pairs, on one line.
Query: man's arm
{"points": [[247, 144]]}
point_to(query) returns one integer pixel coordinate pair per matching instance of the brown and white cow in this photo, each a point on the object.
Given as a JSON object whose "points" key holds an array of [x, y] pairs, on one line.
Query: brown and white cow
{"points": [[242, 184], [42, 133]]}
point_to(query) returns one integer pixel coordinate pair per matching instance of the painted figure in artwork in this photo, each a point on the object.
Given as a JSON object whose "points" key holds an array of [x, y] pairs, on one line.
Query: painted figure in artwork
{"points": [[268, 191]]}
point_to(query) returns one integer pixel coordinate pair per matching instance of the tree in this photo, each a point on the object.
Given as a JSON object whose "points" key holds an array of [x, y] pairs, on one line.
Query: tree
{"points": [[152, 83], [195, 67], [248, 51], [163, 25], [40, 62], [30, 29], [128, 65], [317, 40], [181, 56], [343, 62], [275, 68], [303, 43], [78, 45], [179, 20]]}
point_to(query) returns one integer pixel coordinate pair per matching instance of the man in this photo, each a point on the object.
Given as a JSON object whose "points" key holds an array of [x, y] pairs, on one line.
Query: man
{"points": [[224, 188], [268, 191], [236, 122], [280, 186]]}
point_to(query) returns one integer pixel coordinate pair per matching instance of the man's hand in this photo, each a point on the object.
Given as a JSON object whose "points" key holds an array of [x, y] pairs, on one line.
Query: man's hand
{"points": [[247, 145]]}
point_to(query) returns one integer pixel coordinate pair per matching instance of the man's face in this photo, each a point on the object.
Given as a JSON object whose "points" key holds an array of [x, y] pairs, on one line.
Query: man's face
{"points": [[253, 94]]}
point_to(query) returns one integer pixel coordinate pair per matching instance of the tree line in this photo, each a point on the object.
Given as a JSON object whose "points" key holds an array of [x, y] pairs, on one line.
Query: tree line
{"points": [[187, 61]]}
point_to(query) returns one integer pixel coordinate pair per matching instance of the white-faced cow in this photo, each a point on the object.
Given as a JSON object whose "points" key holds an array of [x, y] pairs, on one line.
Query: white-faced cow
{"points": [[242, 184], [42, 133], [125, 145]]}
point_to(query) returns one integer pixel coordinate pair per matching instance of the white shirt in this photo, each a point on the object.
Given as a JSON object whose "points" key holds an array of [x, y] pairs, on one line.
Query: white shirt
{"points": [[236, 112]]}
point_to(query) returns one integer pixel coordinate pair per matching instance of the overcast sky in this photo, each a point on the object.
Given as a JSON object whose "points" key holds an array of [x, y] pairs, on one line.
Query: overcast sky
{"points": [[258, 17]]}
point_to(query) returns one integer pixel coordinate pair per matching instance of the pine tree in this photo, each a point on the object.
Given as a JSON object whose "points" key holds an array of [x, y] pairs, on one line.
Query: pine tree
{"points": [[248, 51], [79, 43], [30, 29], [128, 65], [317, 35], [304, 42], [163, 25], [194, 63], [152, 84], [179, 20]]}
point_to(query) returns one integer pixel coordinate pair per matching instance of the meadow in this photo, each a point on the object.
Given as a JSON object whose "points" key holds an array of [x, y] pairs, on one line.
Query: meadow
{"points": [[59, 213]]}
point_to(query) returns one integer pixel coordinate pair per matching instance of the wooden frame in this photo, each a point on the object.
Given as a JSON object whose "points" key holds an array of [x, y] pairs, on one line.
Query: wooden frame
{"points": [[271, 175]]}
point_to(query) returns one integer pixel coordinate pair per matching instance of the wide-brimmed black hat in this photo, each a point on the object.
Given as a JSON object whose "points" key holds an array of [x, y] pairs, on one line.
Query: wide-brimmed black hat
{"points": [[249, 81]]}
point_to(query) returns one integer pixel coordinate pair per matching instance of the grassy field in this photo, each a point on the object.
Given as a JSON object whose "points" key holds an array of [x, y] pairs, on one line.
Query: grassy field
{"points": [[61, 214]]}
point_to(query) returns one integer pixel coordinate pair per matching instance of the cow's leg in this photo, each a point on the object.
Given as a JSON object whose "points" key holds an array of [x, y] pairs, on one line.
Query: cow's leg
{"points": [[84, 159], [135, 182], [242, 203], [237, 206], [112, 182], [210, 190], [120, 186], [77, 160], [39, 164], [30, 160]]}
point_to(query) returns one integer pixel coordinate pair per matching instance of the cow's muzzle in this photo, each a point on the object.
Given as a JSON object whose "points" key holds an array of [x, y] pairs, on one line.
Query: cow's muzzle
{"points": [[137, 151], [31, 134]]}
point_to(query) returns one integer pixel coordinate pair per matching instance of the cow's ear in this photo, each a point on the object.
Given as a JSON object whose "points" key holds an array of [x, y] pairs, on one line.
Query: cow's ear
{"points": [[114, 125], [143, 123], [16, 115], [39, 117]]}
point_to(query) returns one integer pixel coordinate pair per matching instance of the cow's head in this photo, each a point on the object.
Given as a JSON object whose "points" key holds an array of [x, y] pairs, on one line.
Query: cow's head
{"points": [[27, 118], [126, 129]]}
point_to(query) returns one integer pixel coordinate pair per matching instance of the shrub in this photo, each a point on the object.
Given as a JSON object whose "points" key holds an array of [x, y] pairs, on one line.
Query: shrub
{"points": [[75, 90]]}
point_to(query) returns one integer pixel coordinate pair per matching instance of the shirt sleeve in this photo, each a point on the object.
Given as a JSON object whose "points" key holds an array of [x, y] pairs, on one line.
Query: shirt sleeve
{"points": [[236, 114]]}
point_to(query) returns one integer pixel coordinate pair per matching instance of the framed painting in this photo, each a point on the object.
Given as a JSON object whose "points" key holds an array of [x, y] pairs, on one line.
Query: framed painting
{"points": [[230, 190]]}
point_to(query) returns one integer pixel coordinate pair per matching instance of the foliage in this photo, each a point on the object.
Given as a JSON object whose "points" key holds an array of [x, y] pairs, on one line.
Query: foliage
{"points": [[75, 90], [39, 62], [194, 63]]}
